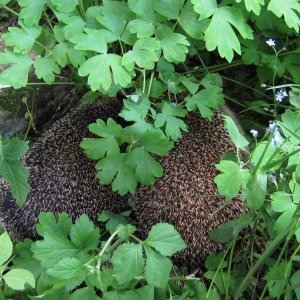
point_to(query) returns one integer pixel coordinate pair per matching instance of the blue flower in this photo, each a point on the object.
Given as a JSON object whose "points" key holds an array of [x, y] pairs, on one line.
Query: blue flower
{"points": [[272, 177], [276, 139]]}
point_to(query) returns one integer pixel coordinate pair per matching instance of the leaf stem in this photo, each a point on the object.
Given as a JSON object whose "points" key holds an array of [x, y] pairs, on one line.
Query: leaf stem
{"points": [[150, 84], [11, 10]]}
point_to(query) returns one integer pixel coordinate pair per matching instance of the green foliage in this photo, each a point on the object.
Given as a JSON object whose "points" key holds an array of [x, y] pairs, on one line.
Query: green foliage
{"points": [[166, 58], [12, 169], [76, 261]]}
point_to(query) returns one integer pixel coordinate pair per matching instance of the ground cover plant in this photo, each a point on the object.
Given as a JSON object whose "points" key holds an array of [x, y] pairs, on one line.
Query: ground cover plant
{"points": [[166, 59]]}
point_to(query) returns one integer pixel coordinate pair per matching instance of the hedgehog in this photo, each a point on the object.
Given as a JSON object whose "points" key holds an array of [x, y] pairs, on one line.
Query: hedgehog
{"points": [[61, 177], [186, 196]]}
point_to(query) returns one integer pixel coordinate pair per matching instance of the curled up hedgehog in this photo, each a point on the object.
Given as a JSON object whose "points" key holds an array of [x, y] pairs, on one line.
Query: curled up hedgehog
{"points": [[62, 178]]}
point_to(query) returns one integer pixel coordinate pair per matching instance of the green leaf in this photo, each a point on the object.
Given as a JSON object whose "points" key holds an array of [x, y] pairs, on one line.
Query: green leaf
{"points": [[107, 145], [67, 268], [190, 84], [145, 293], [253, 5], [22, 39], [165, 239], [132, 254], [92, 39], [173, 44], [190, 23], [49, 224], [6, 248], [230, 230], [144, 9], [289, 9], [113, 220], [84, 234], [18, 278], [65, 6], [168, 117], [234, 133], [52, 249], [46, 68], [4, 2], [168, 8], [205, 100], [291, 121], [232, 173], [142, 28], [12, 169], [256, 190], [136, 111], [63, 53], [75, 26], [145, 53], [84, 293], [113, 169], [31, 11], [155, 260], [17, 74], [111, 70], [145, 167], [219, 33]]}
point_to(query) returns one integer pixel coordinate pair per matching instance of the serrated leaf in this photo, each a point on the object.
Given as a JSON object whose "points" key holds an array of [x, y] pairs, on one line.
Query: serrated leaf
{"points": [[84, 234], [189, 83], [111, 70], [168, 8], [165, 239], [75, 26], [155, 259], [142, 28], [113, 220], [205, 100], [65, 6], [18, 278], [46, 68], [113, 169], [49, 224], [174, 45], [17, 74], [231, 172], [145, 293], [22, 39], [6, 248], [92, 40], [238, 139], [135, 111], [132, 254], [31, 11], [253, 5], [168, 117], [67, 268], [63, 53], [108, 144], [145, 167], [190, 23], [288, 9], [52, 249], [219, 33], [145, 53]]}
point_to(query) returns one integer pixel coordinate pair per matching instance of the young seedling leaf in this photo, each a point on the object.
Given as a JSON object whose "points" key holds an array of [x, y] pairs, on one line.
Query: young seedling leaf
{"points": [[18, 278]]}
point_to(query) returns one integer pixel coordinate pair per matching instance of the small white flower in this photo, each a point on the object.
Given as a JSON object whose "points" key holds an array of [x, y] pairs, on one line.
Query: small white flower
{"points": [[254, 133], [271, 42], [174, 104], [279, 96]]}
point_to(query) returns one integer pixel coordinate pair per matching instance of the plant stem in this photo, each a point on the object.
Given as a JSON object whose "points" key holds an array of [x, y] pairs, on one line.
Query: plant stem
{"points": [[11, 10], [150, 84], [271, 248]]}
